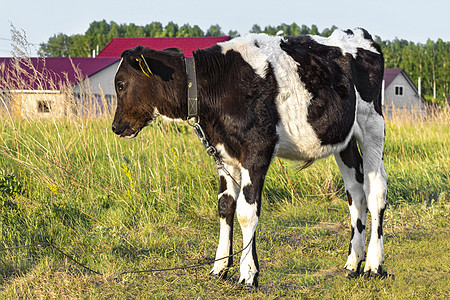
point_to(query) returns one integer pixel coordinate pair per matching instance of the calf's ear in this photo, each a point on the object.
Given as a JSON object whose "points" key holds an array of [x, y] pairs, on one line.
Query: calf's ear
{"points": [[176, 50], [152, 67]]}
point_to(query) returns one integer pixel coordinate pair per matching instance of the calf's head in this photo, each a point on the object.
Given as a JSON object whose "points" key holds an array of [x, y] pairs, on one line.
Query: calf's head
{"points": [[148, 83]]}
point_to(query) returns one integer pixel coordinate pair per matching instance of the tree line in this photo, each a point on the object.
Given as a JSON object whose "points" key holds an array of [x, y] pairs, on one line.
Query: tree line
{"points": [[430, 61]]}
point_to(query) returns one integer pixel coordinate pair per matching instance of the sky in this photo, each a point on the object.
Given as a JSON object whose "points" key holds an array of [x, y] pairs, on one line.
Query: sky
{"points": [[412, 20]]}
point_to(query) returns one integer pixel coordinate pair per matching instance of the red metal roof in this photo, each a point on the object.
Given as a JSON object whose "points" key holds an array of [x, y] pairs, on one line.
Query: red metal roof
{"points": [[52, 72], [390, 75], [186, 44]]}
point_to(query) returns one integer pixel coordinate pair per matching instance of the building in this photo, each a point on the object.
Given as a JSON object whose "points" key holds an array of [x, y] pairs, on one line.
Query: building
{"points": [[42, 87], [187, 44], [400, 94]]}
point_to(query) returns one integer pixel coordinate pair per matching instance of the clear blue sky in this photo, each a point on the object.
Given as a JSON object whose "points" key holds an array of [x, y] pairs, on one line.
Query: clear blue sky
{"points": [[413, 20]]}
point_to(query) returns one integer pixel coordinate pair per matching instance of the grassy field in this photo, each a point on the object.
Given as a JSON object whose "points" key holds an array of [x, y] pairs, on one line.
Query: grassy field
{"points": [[120, 205]]}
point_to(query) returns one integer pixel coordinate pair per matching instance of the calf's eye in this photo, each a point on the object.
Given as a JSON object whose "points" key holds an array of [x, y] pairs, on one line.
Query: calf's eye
{"points": [[120, 85]]}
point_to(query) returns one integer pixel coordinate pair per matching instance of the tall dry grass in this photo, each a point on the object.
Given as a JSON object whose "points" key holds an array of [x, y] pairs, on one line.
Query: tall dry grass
{"points": [[23, 81]]}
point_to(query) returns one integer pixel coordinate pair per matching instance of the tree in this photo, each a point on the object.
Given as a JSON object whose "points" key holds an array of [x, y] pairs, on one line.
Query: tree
{"points": [[305, 30], [214, 30], [294, 30], [255, 29], [155, 29], [132, 30], [170, 30], [196, 31], [327, 32], [97, 34], [314, 30], [233, 33], [186, 30], [58, 45]]}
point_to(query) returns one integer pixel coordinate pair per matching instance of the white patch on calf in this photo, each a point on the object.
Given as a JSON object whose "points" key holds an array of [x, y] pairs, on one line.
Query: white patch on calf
{"points": [[349, 43], [118, 66], [298, 140], [376, 202], [227, 159], [223, 248], [252, 53], [246, 215], [156, 113]]}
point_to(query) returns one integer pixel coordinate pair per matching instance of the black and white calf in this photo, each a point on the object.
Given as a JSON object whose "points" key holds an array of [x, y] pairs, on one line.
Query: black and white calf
{"points": [[260, 96]]}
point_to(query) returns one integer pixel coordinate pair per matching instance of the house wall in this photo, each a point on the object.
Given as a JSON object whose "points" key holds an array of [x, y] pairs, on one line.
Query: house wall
{"points": [[97, 95], [99, 83], [408, 102], [37, 104]]}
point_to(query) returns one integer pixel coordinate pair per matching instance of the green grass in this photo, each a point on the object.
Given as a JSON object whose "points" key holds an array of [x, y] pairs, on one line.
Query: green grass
{"points": [[117, 205]]}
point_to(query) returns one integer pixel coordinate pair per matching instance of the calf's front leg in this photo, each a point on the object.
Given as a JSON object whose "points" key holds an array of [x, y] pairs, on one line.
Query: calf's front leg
{"points": [[228, 192]]}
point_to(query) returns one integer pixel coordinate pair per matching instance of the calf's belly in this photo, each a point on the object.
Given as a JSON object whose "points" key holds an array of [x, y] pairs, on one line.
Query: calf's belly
{"points": [[298, 142]]}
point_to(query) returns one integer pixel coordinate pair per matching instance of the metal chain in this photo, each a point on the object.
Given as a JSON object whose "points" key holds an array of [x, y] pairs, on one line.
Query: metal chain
{"points": [[211, 150], [208, 262]]}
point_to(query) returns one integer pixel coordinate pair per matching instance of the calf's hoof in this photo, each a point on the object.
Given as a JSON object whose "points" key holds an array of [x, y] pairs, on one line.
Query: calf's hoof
{"points": [[252, 287], [351, 274], [222, 275], [248, 287], [380, 274]]}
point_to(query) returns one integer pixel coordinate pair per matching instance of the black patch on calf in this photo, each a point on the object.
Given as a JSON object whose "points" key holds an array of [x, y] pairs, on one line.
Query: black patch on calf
{"points": [[251, 198], [360, 226], [380, 224], [255, 260], [349, 198], [222, 184], [349, 32], [327, 75], [227, 207], [369, 72], [352, 159], [351, 238], [237, 107], [157, 67]]}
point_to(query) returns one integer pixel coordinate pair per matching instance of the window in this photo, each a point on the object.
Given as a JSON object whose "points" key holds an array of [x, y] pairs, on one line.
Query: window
{"points": [[44, 106], [399, 90]]}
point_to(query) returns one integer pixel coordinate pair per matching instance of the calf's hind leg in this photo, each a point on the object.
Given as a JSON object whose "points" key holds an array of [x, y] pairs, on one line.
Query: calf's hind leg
{"points": [[350, 164], [375, 189]]}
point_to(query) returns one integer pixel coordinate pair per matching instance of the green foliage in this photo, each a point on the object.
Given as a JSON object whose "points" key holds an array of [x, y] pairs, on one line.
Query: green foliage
{"points": [[214, 30], [10, 186], [292, 30], [101, 33]]}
